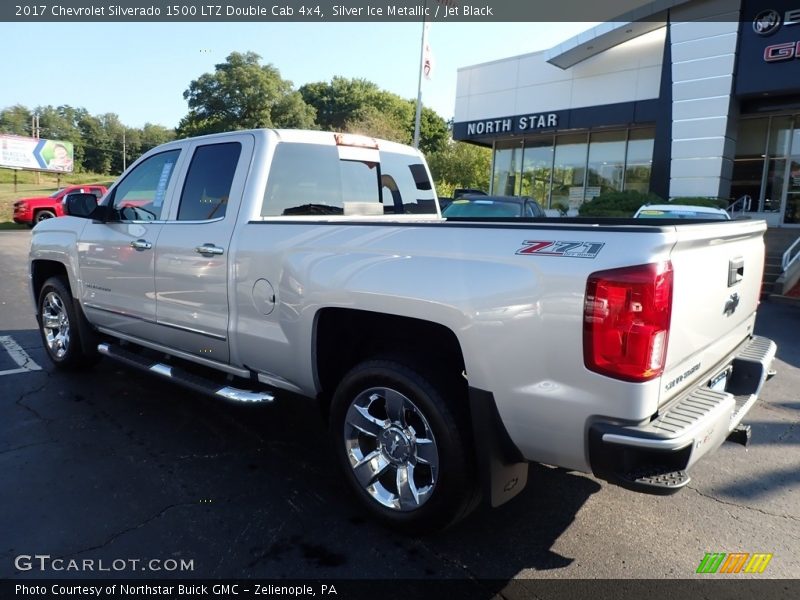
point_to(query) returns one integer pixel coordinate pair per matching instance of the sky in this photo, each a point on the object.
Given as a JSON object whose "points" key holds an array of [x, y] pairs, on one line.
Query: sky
{"points": [[140, 70]]}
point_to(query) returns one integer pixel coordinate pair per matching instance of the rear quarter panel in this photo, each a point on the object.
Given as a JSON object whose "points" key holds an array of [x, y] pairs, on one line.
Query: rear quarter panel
{"points": [[518, 317]]}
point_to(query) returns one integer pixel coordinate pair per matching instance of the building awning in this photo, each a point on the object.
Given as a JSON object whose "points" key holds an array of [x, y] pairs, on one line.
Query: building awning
{"points": [[629, 25]]}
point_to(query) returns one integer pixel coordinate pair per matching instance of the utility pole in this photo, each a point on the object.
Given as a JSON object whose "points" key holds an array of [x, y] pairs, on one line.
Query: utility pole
{"points": [[124, 163]]}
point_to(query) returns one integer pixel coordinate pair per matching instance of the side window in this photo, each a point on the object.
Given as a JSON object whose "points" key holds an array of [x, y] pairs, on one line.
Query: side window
{"points": [[309, 179], [140, 196], [208, 182], [303, 180], [414, 192]]}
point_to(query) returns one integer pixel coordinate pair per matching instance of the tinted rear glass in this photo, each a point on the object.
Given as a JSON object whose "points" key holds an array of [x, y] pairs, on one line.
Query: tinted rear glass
{"points": [[483, 208]]}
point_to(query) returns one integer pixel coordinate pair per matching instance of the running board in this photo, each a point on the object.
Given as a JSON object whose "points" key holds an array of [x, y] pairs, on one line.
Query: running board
{"points": [[183, 377]]}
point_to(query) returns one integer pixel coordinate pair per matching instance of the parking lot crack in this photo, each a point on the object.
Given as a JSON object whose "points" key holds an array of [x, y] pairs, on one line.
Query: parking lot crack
{"points": [[115, 536], [744, 506], [17, 448], [788, 432], [20, 402]]}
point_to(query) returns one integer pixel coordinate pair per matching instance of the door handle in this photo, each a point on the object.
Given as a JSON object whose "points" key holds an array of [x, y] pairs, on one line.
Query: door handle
{"points": [[141, 245], [209, 249]]}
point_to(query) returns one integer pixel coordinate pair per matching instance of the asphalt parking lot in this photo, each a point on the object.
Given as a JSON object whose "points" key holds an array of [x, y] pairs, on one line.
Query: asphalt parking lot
{"points": [[111, 464]]}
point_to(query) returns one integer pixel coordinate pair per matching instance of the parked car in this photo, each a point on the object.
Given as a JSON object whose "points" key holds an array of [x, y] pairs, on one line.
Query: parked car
{"points": [[30, 211], [459, 192], [681, 211], [494, 206]]}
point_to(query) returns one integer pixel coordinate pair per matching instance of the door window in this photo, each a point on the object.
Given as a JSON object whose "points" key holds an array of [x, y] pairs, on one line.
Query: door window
{"points": [[140, 196], [208, 182]]}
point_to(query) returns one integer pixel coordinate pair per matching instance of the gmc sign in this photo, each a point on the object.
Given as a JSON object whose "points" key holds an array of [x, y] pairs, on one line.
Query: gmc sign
{"points": [[785, 51]]}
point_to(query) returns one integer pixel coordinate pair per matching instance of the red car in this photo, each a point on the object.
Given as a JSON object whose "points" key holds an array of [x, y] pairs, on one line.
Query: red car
{"points": [[29, 211]]}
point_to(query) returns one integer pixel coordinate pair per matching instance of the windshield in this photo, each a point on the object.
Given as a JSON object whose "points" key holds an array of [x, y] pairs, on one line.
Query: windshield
{"points": [[482, 208], [56, 193], [681, 214]]}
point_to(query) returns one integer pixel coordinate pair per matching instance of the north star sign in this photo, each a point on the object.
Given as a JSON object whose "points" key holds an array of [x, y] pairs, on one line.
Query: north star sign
{"points": [[512, 124]]}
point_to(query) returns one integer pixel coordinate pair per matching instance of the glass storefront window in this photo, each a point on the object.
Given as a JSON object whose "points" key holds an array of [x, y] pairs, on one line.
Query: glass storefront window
{"points": [[537, 167], [507, 165], [569, 170], [639, 159], [748, 166], [792, 212], [606, 163], [780, 136]]}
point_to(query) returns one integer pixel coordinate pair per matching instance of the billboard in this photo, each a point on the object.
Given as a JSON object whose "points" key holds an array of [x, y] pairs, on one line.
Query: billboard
{"points": [[34, 153]]}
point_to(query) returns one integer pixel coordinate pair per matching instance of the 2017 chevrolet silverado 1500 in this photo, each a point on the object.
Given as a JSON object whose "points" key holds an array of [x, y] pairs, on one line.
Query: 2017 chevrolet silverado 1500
{"points": [[447, 353]]}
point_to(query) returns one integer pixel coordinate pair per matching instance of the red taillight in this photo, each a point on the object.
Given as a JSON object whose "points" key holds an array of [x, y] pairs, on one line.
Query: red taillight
{"points": [[626, 321]]}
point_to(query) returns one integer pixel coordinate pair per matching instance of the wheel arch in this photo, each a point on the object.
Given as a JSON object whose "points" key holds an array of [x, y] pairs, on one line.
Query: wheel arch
{"points": [[42, 270], [343, 337]]}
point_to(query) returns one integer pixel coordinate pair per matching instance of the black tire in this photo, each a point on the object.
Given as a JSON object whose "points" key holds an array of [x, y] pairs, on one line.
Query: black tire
{"points": [[60, 327], [432, 498], [42, 215]]}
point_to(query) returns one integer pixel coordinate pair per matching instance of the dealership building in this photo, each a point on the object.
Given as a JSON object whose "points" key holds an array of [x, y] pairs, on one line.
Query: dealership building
{"points": [[680, 98]]}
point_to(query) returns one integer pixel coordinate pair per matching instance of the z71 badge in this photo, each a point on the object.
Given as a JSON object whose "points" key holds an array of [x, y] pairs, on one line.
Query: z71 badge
{"points": [[566, 249]]}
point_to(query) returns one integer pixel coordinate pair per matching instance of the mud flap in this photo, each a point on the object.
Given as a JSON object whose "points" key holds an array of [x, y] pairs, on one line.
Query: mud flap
{"points": [[502, 469]]}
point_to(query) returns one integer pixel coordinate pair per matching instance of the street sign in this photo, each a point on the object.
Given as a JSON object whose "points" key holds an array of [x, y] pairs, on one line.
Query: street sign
{"points": [[18, 152]]}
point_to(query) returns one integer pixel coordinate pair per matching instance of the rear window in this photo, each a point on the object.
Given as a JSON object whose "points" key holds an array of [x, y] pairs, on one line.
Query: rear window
{"points": [[482, 208], [309, 180], [405, 186], [313, 180], [681, 214]]}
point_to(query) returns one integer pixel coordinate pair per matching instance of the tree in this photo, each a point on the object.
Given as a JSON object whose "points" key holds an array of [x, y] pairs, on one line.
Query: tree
{"points": [[460, 165], [16, 120], [359, 105], [241, 93], [434, 133], [345, 100]]}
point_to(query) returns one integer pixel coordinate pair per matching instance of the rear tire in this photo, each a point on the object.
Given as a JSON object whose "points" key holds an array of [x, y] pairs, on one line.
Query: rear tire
{"points": [[402, 441], [60, 327]]}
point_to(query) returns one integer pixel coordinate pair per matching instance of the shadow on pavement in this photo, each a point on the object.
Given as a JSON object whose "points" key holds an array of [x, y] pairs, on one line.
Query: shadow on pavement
{"points": [[110, 463]]}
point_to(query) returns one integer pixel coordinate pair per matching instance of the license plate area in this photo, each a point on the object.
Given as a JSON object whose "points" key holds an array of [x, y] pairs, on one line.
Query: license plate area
{"points": [[719, 382]]}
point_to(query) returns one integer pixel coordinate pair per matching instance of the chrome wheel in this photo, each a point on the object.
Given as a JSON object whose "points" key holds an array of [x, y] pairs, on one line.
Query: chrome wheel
{"points": [[55, 325], [391, 448]]}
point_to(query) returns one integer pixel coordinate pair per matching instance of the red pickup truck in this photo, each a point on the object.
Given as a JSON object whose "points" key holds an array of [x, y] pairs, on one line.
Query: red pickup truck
{"points": [[29, 211]]}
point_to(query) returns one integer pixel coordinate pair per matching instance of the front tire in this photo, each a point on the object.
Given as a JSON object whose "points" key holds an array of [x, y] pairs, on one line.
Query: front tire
{"points": [[59, 326], [43, 215], [400, 438]]}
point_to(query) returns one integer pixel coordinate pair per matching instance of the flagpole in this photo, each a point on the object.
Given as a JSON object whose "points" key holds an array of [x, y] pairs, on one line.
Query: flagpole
{"points": [[419, 82]]}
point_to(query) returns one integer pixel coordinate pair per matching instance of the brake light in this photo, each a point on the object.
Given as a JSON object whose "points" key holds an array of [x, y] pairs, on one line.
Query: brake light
{"points": [[354, 139], [626, 321]]}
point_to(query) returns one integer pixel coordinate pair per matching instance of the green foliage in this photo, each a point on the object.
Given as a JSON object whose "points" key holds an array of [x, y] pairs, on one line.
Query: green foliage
{"points": [[700, 201], [460, 165], [242, 93], [617, 204], [360, 106], [16, 120]]}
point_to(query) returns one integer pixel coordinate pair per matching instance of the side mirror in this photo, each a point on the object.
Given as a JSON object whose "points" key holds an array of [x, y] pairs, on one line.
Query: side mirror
{"points": [[80, 205]]}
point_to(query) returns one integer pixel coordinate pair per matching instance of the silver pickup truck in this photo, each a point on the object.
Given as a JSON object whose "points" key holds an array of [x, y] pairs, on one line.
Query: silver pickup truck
{"points": [[446, 353]]}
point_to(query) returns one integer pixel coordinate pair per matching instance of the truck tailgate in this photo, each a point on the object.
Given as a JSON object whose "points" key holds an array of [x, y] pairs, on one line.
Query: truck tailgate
{"points": [[717, 271]]}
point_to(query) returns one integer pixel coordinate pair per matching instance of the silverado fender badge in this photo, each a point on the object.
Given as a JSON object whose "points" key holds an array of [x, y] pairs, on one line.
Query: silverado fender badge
{"points": [[731, 305], [565, 249]]}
